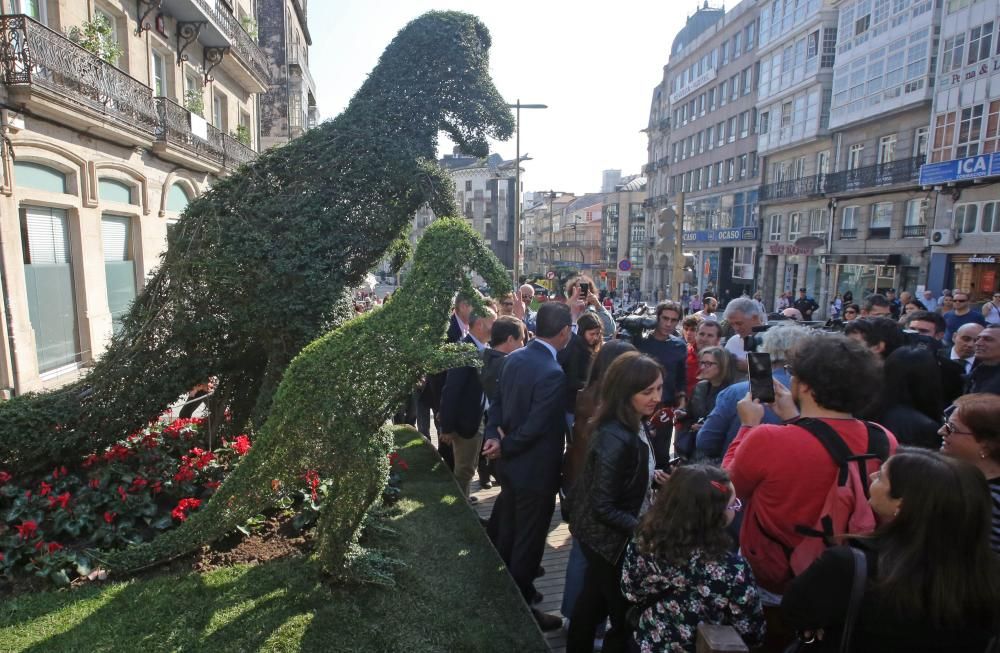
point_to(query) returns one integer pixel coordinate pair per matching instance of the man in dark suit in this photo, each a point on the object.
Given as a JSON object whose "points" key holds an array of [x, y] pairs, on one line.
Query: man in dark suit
{"points": [[527, 431], [430, 395], [463, 403]]}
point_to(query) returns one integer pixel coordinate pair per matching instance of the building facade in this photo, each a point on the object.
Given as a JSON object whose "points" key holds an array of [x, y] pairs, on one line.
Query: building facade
{"points": [[703, 146], [963, 171], [624, 239], [105, 152], [288, 108]]}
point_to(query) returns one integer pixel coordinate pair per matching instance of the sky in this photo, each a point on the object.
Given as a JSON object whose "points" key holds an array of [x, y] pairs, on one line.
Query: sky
{"points": [[594, 64]]}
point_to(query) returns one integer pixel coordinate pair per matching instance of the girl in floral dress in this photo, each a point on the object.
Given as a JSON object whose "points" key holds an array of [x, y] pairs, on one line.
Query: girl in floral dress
{"points": [[680, 570]]}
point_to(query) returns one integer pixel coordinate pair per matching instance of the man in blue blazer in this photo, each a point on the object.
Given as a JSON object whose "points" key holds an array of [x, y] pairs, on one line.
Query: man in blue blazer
{"points": [[527, 432], [463, 403]]}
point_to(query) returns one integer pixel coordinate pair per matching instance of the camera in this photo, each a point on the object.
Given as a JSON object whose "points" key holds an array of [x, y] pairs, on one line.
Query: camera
{"points": [[632, 326]]}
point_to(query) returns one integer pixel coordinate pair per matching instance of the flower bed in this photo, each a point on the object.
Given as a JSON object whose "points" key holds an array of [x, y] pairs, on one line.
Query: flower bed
{"points": [[137, 488]]}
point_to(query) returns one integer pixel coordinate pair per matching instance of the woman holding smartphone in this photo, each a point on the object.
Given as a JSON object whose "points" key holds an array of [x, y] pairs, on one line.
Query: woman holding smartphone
{"points": [[611, 494]]}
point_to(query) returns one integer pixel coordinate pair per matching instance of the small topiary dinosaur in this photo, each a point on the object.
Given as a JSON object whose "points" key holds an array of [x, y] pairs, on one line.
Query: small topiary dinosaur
{"points": [[255, 267], [330, 412]]}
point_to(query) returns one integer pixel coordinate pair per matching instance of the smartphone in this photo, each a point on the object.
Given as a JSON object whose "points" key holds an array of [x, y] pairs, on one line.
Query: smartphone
{"points": [[761, 380], [584, 289]]}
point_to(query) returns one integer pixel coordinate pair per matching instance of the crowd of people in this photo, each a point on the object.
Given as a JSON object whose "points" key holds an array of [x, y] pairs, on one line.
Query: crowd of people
{"points": [[862, 502]]}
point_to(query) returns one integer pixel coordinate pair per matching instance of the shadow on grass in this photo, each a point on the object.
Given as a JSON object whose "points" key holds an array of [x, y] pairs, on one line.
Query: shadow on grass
{"points": [[452, 594]]}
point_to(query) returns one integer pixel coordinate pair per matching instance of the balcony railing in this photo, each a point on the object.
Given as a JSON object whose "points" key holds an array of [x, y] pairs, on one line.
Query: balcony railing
{"points": [[33, 55], [249, 52], [878, 233], [904, 171], [914, 230], [848, 234], [811, 186], [176, 128]]}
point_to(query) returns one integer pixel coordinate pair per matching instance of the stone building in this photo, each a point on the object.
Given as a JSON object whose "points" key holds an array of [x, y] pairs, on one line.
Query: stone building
{"points": [[104, 153], [624, 236], [288, 107]]}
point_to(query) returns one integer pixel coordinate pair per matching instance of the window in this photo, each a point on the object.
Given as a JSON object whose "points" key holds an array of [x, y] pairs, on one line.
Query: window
{"points": [[854, 156], [724, 93], [32, 8], [849, 221], [748, 35], [744, 169], [731, 131], [38, 176], [969, 129], [774, 227], [724, 54], [916, 212], [112, 190], [747, 80], [468, 186], [119, 266], [812, 45], [711, 99], [920, 138], [734, 87], [862, 24], [990, 222], [887, 149], [965, 218], [794, 226], [744, 124], [980, 43], [944, 136], [763, 119], [718, 173], [818, 222], [113, 23], [710, 137], [159, 74], [730, 169], [720, 131], [800, 168], [882, 215], [48, 271], [786, 114], [177, 198], [823, 162], [219, 111], [737, 44], [953, 51]]}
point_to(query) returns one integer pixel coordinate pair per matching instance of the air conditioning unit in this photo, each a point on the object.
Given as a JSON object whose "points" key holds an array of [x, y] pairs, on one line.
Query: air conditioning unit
{"points": [[942, 237]]}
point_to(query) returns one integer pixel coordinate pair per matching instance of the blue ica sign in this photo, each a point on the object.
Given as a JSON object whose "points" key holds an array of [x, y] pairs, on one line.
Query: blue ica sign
{"points": [[973, 167], [721, 235]]}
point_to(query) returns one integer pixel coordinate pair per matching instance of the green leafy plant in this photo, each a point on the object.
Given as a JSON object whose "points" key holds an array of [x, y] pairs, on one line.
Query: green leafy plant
{"points": [[249, 26], [258, 266], [98, 37], [330, 413], [194, 101], [242, 134]]}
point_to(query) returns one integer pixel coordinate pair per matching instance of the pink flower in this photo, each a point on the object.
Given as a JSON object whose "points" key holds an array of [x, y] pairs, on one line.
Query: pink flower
{"points": [[4, 477]]}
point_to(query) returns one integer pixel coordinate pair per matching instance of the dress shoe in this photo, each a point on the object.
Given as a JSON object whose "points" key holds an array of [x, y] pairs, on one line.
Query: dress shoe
{"points": [[486, 485], [537, 598], [473, 499], [546, 621]]}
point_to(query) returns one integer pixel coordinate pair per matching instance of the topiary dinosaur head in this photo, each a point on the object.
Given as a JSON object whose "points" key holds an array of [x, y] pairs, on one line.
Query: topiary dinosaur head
{"points": [[449, 250], [444, 58]]}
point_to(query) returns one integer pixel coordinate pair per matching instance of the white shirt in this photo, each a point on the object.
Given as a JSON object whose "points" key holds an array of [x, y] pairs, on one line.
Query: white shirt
{"points": [[549, 347], [713, 317], [735, 347]]}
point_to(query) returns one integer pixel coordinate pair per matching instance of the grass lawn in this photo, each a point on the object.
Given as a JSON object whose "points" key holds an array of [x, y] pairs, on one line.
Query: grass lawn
{"points": [[451, 594]]}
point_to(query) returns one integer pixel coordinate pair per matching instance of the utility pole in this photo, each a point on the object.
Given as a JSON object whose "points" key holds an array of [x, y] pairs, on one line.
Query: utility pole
{"points": [[516, 259], [677, 273]]}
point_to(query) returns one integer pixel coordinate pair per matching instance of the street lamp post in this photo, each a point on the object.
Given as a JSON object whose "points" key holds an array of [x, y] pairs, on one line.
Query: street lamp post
{"points": [[517, 186]]}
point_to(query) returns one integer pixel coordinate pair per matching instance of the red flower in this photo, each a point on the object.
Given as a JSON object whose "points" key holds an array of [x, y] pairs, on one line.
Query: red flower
{"points": [[38, 545], [403, 466], [121, 492], [204, 457], [44, 489], [27, 529], [180, 511], [117, 452], [62, 500], [156, 487], [110, 517], [184, 474], [95, 483], [178, 514], [54, 546], [312, 477], [242, 445], [90, 460], [212, 485], [27, 494], [4, 477], [138, 483]]}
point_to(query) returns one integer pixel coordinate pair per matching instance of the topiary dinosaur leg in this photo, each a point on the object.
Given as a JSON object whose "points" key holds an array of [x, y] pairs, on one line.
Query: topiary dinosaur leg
{"points": [[358, 480]]}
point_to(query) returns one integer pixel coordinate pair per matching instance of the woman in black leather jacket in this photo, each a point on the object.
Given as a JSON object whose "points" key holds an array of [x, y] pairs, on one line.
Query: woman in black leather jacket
{"points": [[611, 493]]}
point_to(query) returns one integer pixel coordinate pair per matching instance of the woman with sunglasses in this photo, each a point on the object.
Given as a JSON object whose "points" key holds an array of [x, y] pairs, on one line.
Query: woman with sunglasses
{"points": [[717, 371], [933, 583], [680, 570], [971, 433], [851, 312]]}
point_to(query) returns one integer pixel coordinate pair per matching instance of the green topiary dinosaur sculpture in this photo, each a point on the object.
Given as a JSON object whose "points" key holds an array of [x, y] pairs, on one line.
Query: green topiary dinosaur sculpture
{"points": [[256, 266], [330, 412]]}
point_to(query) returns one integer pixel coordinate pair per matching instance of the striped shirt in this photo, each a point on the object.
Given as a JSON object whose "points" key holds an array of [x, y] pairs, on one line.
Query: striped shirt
{"points": [[995, 533]]}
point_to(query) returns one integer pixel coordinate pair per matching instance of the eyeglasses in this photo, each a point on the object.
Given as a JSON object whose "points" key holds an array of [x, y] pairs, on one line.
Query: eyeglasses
{"points": [[706, 363], [950, 429], [735, 506]]}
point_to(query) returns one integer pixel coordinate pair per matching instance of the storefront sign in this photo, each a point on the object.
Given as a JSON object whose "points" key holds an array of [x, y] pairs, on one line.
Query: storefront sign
{"points": [[722, 235], [972, 72], [693, 85], [778, 250], [973, 167], [982, 259]]}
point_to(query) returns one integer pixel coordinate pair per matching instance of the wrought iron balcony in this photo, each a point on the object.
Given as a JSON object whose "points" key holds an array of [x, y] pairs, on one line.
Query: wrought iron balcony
{"points": [[242, 45], [878, 233], [848, 234], [904, 171], [812, 186], [914, 231], [176, 128], [34, 56]]}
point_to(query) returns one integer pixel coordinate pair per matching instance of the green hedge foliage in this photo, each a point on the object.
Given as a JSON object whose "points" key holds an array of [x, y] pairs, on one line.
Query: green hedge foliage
{"points": [[257, 267], [330, 412]]}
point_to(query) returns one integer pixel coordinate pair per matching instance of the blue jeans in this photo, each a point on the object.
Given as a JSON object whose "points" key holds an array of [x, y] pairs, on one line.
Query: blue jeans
{"points": [[576, 567]]}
